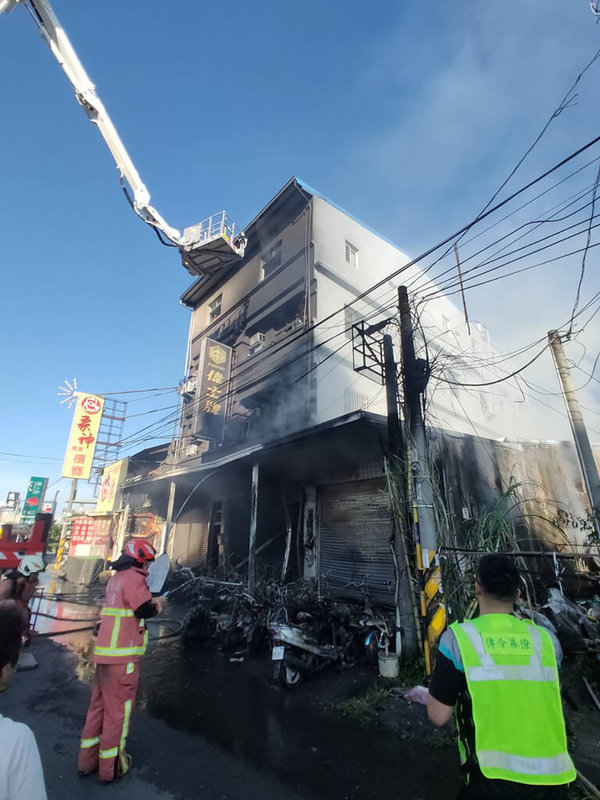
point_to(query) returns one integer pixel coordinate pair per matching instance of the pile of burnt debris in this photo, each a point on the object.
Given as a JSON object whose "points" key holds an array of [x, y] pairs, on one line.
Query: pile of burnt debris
{"points": [[302, 630]]}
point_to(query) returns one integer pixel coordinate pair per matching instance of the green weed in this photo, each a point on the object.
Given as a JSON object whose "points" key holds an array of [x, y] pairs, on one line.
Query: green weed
{"points": [[366, 705]]}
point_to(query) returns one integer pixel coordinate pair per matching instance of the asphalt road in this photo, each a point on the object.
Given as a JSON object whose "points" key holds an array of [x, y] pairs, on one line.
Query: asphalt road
{"points": [[167, 764]]}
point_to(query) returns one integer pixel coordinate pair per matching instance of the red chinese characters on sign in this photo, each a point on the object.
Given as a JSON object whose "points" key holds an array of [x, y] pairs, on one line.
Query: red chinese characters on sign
{"points": [[83, 531], [89, 537], [83, 437]]}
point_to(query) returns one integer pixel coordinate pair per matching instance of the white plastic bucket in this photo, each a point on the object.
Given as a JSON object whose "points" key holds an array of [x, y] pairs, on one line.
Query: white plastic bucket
{"points": [[388, 665]]}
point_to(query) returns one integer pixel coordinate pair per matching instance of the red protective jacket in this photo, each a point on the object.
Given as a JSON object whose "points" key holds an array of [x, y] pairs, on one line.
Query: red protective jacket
{"points": [[122, 637]]}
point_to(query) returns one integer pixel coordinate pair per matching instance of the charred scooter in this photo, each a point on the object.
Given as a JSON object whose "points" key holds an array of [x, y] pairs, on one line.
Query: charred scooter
{"points": [[308, 645]]}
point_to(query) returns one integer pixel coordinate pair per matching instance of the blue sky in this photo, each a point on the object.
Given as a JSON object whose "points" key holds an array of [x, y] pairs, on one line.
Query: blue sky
{"points": [[409, 116]]}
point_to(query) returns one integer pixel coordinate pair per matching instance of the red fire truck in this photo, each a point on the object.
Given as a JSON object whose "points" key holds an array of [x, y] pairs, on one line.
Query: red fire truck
{"points": [[19, 541]]}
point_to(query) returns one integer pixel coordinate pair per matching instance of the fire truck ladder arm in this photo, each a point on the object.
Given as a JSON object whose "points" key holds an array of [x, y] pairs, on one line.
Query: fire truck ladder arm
{"points": [[85, 92]]}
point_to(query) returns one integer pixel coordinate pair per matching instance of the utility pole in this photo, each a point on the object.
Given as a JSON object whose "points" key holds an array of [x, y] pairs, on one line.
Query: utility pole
{"points": [[404, 598], [414, 385], [253, 527], [582, 442], [433, 610], [391, 393], [376, 357]]}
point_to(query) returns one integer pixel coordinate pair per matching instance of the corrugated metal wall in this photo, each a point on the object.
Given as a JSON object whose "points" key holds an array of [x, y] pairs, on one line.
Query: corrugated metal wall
{"points": [[354, 535]]}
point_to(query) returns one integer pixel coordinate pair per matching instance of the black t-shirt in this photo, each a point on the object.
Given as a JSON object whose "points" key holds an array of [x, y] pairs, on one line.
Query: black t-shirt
{"points": [[448, 685]]}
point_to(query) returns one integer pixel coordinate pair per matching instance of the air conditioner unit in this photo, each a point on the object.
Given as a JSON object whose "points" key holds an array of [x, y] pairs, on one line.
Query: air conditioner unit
{"points": [[187, 387], [258, 338]]}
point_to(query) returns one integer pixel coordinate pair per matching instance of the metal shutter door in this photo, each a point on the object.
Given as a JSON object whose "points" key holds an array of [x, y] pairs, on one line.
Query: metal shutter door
{"points": [[189, 543], [355, 528]]}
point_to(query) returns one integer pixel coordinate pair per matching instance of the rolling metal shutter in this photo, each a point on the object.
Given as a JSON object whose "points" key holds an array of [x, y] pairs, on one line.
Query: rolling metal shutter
{"points": [[355, 529], [189, 543]]}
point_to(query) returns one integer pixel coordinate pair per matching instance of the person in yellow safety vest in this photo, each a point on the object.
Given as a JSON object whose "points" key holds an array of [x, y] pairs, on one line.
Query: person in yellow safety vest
{"points": [[499, 675], [121, 643]]}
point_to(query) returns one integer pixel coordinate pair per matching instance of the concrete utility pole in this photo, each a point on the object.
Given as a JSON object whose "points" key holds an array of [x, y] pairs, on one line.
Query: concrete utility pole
{"points": [[403, 594], [414, 385], [433, 610], [585, 453]]}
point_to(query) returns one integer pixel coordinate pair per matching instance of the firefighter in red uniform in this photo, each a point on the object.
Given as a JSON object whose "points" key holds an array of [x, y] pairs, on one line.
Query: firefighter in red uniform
{"points": [[122, 639]]}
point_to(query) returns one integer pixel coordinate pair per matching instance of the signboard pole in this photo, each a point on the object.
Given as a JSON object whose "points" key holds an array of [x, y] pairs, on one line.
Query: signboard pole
{"points": [[168, 520], [61, 550], [122, 531]]}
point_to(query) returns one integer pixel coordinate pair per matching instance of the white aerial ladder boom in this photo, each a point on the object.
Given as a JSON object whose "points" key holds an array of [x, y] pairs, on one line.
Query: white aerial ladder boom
{"points": [[205, 247]]}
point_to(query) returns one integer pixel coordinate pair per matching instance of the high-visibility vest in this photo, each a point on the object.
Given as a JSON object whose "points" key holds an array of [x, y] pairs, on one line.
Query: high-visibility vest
{"points": [[512, 678], [122, 637]]}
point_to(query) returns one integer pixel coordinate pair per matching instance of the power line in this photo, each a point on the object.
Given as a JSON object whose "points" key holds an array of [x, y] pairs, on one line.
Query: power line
{"points": [[524, 394], [585, 252], [590, 376], [37, 458], [447, 293], [500, 380], [139, 391], [536, 223], [564, 104]]}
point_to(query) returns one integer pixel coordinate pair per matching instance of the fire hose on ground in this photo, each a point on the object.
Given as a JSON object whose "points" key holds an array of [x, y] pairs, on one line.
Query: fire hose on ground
{"points": [[95, 620], [179, 623]]}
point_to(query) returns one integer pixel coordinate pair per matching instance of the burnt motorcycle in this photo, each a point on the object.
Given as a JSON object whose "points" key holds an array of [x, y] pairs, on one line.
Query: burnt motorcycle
{"points": [[308, 644]]}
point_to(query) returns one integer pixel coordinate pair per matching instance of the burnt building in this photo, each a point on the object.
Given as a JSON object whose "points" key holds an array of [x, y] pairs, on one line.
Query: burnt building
{"points": [[279, 458]]}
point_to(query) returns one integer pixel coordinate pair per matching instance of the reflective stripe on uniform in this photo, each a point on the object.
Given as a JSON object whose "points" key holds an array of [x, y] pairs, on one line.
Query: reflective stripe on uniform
{"points": [[130, 668], [125, 731], [112, 650], [112, 753], [117, 612], [524, 765], [114, 639], [121, 651], [89, 742], [512, 672]]}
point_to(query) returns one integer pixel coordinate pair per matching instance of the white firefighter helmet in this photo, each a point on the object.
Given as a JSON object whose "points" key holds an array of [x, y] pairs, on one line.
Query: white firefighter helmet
{"points": [[31, 564]]}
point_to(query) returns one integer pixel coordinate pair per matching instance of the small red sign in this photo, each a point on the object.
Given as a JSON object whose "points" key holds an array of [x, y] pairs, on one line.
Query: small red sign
{"points": [[91, 404]]}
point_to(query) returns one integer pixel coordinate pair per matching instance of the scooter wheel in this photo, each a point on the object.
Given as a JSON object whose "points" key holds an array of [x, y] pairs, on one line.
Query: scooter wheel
{"points": [[289, 677]]}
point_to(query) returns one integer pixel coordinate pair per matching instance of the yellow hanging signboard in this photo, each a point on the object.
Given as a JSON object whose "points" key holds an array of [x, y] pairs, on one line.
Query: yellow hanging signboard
{"points": [[84, 433]]}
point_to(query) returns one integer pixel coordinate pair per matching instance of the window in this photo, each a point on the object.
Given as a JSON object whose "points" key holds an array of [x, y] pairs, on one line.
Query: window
{"points": [[351, 317], [351, 255], [214, 308], [270, 260]]}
